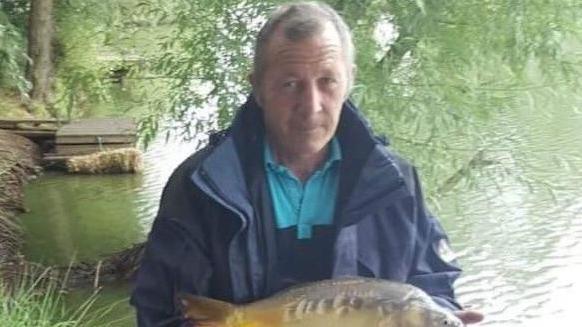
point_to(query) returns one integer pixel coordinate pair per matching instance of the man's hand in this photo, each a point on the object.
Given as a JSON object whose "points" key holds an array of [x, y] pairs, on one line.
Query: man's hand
{"points": [[469, 316]]}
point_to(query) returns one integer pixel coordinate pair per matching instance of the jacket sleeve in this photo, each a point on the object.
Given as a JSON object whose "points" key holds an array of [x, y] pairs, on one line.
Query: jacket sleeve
{"points": [[434, 266], [174, 259], [435, 269]]}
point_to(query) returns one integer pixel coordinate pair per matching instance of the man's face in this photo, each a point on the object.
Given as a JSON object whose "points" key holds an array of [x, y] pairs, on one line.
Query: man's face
{"points": [[302, 90]]}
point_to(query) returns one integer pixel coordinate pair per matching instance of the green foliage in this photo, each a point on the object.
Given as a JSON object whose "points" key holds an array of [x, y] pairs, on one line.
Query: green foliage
{"points": [[103, 59], [446, 68], [80, 75], [205, 56], [12, 56], [17, 12], [454, 65]]}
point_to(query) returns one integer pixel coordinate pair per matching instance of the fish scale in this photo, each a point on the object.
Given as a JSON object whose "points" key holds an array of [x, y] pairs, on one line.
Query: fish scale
{"points": [[339, 305]]}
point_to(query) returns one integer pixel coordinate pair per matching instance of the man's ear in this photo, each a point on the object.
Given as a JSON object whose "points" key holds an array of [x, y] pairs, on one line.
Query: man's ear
{"points": [[351, 79], [251, 79]]}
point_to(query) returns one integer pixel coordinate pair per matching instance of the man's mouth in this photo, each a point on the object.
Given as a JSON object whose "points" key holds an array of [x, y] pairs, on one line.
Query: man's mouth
{"points": [[306, 127]]}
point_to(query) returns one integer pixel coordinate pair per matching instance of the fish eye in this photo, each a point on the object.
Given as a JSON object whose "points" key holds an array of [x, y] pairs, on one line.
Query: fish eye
{"points": [[449, 322]]}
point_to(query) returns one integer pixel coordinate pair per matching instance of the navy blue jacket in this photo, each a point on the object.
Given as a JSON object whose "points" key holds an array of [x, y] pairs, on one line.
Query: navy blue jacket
{"points": [[212, 235]]}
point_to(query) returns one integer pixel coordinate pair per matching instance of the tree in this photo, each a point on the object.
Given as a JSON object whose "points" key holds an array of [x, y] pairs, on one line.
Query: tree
{"points": [[40, 38]]}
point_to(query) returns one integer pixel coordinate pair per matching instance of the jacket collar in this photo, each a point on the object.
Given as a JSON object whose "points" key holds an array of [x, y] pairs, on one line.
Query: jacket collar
{"points": [[369, 174]]}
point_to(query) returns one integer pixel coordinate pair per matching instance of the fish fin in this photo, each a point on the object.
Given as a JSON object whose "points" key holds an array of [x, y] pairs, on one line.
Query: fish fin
{"points": [[272, 317], [203, 323], [205, 311]]}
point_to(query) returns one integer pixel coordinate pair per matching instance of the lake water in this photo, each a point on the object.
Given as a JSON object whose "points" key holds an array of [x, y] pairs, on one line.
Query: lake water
{"points": [[518, 234]]}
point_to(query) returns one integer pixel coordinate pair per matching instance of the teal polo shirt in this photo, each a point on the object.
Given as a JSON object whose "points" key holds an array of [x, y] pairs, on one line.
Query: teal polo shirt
{"points": [[304, 205]]}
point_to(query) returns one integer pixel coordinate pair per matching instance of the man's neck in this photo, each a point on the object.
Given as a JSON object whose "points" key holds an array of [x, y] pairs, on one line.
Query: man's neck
{"points": [[302, 165]]}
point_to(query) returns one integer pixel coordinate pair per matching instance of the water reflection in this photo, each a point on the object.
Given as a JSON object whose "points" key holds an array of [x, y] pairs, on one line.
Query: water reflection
{"points": [[79, 216], [85, 217]]}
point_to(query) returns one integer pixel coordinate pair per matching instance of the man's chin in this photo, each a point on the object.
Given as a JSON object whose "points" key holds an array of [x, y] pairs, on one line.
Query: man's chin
{"points": [[305, 146]]}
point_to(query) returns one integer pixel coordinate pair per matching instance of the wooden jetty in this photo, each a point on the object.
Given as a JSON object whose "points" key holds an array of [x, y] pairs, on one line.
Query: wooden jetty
{"points": [[35, 129], [61, 140], [94, 135]]}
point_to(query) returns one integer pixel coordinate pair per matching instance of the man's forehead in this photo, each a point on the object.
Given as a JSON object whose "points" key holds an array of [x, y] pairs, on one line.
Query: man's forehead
{"points": [[291, 70], [325, 36], [319, 53]]}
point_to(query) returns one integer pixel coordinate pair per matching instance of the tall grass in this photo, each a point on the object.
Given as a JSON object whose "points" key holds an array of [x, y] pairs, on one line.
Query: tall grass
{"points": [[38, 299]]}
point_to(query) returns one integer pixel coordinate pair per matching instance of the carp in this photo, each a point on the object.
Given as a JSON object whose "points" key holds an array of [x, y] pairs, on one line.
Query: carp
{"points": [[350, 302]]}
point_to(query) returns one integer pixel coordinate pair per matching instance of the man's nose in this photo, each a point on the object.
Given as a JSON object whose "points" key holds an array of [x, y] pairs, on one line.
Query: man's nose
{"points": [[311, 99]]}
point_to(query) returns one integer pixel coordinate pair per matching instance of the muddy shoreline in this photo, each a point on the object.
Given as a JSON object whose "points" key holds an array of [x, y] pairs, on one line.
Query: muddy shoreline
{"points": [[19, 162]]}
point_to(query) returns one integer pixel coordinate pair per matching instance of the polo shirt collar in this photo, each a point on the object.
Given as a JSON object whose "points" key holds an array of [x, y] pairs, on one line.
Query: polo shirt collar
{"points": [[334, 155]]}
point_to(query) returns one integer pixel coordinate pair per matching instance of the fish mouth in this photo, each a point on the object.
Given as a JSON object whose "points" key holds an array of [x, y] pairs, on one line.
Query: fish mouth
{"points": [[452, 321]]}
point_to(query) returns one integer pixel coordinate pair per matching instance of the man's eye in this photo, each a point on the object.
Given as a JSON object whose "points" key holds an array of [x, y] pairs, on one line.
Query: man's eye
{"points": [[329, 80], [290, 84]]}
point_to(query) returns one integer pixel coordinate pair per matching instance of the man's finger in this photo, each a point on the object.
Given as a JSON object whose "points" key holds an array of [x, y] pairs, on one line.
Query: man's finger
{"points": [[469, 316]]}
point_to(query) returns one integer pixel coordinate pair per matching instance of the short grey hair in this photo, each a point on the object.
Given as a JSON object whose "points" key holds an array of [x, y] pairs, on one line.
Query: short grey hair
{"points": [[300, 21]]}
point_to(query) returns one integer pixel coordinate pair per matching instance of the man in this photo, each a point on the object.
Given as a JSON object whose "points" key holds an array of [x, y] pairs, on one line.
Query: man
{"points": [[297, 189]]}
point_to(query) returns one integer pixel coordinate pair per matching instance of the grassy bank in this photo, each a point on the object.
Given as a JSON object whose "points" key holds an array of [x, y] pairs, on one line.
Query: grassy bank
{"points": [[11, 106], [38, 300]]}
